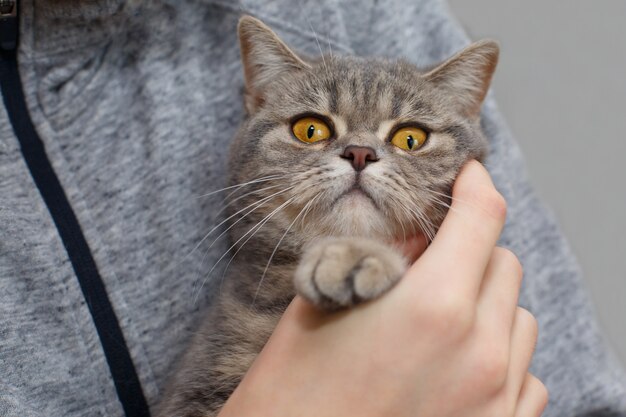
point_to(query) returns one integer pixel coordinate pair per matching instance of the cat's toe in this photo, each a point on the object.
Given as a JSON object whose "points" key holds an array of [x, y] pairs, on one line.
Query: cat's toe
{"points": [[371, 277], [342, 272], [320, 275]]}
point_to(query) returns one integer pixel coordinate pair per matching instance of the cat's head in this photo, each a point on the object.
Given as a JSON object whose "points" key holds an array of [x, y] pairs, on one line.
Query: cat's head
{"points": [[344, 145]]}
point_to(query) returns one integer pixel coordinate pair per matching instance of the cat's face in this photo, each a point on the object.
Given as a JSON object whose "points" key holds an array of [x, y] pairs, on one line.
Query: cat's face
{"points": [[353, 146]]}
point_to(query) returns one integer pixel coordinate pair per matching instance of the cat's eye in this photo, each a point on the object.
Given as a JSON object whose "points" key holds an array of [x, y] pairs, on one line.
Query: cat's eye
{"points": [[409, 138], [311, 129]]}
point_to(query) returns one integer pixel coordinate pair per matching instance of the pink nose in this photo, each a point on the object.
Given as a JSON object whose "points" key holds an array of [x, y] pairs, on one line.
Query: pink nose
{"points": [[359, 156]]}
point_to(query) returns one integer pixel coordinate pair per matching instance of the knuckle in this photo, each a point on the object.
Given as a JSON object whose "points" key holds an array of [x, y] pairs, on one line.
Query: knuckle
{"points": [[486, 198], [539, 391], [493, 203], [542, 394], [492, 369], [528, 321], [510, 260], [453, 316]]}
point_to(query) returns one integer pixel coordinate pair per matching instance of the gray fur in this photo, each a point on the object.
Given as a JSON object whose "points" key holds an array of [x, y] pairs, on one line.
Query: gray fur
{"points": [[303, 195]]}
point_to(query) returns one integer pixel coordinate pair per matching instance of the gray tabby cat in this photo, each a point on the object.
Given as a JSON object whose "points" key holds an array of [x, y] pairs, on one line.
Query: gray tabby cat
{"points": [[338, 157]]}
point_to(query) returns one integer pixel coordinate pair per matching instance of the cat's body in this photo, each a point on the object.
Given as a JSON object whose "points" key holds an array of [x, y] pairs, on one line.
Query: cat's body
{"points": [[320, 210]]}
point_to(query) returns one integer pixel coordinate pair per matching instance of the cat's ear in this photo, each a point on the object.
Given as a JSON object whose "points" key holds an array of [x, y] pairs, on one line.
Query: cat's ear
{"points": [[264, 57], [467, 75]]}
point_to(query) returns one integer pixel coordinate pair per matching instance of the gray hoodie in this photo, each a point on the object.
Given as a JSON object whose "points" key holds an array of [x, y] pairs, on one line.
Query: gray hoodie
{"points": [[132, 105]]}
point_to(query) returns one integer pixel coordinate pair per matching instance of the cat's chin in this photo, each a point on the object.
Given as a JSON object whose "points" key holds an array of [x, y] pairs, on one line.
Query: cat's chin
{"points": [[356, 214], [356, 199]]}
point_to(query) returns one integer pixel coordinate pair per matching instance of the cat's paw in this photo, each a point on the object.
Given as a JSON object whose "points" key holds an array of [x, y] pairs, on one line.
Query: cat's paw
{"points": [[340, 272]]}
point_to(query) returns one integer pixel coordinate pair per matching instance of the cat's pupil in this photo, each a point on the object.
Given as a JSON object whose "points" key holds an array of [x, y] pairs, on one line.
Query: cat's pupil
{"points": [[410, 141], [310, 131]]}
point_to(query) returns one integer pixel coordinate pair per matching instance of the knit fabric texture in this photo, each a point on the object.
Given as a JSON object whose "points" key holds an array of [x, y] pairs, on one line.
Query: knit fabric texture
{"points": [[136, 102]]}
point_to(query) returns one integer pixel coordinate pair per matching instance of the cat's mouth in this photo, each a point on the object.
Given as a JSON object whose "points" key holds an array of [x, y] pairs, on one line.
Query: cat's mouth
{"points": [[357, 193]]}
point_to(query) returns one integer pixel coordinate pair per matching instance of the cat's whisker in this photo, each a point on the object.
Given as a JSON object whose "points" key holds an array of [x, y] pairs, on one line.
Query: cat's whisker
{"points": [[241, 247], [431, 228], [424, 223], [278, 244], [237, 251], [245, 195], [318, 45], [442, 203], [425, 228], [330, 48], [230, 187], [431, 195], [462, 201], [302, 224], [258, 226], [408, 211], [309, 209], [236, 190], [399, 219], [435, 200], [256, 204], [403, 229]]}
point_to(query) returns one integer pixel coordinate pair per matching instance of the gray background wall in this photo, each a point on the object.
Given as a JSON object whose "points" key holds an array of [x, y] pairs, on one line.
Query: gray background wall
{"points": [[561, 84]]}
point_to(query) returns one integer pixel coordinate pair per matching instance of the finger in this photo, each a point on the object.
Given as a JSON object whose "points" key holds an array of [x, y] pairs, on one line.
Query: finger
{"points": [[469, 232], [498, 295], [533, 398], [413, 247], [523, 341]]}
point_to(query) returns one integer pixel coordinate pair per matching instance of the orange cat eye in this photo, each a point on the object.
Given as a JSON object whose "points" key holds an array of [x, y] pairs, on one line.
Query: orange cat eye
{"points": [[409, 138], [311, 129]]}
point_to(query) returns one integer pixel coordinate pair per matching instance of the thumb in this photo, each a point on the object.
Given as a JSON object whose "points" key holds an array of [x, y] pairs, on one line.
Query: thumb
{"points": [[412, 247]]}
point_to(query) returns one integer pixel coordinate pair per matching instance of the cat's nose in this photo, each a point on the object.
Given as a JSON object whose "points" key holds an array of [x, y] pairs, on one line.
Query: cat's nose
{"points": [[359, 156]]}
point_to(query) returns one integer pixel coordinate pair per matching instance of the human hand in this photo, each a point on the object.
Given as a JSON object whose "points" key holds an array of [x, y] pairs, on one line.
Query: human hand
{"points": [[447, 340]]}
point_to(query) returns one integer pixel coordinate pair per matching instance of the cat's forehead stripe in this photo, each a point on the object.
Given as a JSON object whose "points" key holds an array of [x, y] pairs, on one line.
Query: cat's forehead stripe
{"points": [[396, 106], [333, 96], [364, 98]]}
